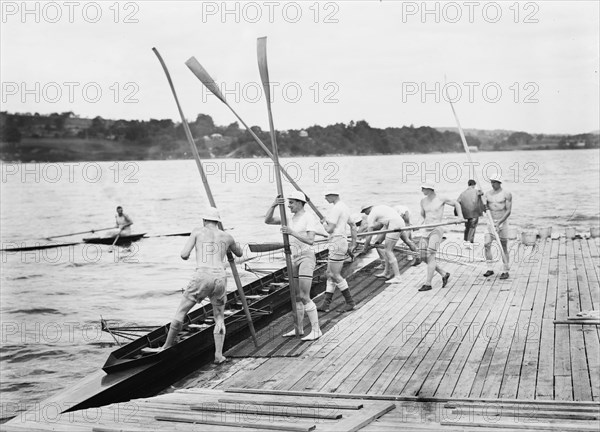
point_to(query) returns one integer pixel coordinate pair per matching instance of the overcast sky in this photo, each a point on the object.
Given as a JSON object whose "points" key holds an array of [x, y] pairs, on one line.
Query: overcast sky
{"points": [[530, 66]]}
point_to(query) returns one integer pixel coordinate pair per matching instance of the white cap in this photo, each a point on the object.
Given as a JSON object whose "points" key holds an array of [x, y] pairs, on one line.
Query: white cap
{"points": [[496, 178], [356, 218], [211, 214], [428, 186], [332, 191], [297, 195], [365, 206]]}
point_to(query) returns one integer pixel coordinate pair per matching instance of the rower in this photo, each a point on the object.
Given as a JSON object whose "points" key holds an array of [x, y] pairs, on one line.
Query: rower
{"points": [[499, 203], [382, 217], [432, 211], [123, 223], [209, 280], [301, 229], [335, 224]]}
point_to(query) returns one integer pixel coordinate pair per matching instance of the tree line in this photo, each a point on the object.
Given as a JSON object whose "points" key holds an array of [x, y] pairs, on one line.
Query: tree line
{"points": [[64, 136]]}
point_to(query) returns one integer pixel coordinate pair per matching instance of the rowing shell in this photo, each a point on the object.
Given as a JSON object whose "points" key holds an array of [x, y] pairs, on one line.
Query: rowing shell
{"points": [[123, 240]]}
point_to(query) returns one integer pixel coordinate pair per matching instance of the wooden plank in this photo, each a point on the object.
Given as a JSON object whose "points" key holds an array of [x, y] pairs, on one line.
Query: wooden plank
{"points": [[294, 403], [524, 426], [237, 424]]}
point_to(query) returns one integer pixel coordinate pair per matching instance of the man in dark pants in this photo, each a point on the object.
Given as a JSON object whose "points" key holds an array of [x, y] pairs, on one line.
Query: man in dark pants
{"points": [[472, 208]]}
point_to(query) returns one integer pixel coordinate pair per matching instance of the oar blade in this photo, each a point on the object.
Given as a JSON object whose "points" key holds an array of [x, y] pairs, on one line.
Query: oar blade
{"points": [[263, 68], [197, 69], [264, 247]]}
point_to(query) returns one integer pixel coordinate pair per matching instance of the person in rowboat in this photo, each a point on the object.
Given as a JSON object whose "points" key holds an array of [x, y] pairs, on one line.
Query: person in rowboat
{"points": [[301, 229], [382, 217], [432, 211], [209, 280], [123, 223], [335, 224], [499, 203]]}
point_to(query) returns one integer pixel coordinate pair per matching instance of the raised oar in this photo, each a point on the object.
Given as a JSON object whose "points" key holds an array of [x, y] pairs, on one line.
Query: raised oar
{"points": [[211, 199], [210, 84], [82, 232], [466, 147], [263, 68], [410, 228]]}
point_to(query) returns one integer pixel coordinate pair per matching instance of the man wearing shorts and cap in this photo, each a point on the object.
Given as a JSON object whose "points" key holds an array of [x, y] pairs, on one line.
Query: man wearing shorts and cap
{"points": [[301, 229], [382, 217], [499, 203], [209, 279], [335, 225], [432, 211]]}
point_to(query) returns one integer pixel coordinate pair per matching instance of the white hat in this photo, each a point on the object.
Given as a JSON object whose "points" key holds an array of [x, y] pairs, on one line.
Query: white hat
{"points": [[496, 178], [332, 191], [356, 218], [211, 214], [365, 206], [428, 186], [297, 195]]}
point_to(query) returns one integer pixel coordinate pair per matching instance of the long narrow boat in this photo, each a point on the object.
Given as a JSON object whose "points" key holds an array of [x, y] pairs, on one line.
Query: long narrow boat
{"points": [[121, 241], [128, 373]]}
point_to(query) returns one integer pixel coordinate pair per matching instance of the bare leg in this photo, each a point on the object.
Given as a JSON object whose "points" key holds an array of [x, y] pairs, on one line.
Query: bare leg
{"points": [[219, 331], [391, 259], [311, 309], [184, 307]]}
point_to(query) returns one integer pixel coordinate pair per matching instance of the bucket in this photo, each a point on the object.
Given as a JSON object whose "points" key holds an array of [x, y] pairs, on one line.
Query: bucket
{"points": [[571, 233], [512, 233], [595, 231], [545, 233], [529, 238]]}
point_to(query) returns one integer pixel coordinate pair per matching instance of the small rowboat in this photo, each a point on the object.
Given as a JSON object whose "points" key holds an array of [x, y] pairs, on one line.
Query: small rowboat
{"points": [[123, 240]]}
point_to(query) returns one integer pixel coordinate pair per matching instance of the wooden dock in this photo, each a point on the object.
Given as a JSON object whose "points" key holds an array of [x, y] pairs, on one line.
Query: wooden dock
{"points": [[480, 354]]}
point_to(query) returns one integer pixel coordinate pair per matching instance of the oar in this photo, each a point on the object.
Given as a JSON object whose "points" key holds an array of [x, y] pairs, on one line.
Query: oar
{"points": [[114, 243], [263, 69], [410, 228], [210, 84], [466, 147], [39, 247], [81, 232], [211, 199], [273, 246]]}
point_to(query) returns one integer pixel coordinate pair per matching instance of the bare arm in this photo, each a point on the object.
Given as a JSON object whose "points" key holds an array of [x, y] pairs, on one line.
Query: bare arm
{"points": [[456, 205], [352, 235], [270, 218], [235, 247], [189, 245], [309, 238], [508, 209]]}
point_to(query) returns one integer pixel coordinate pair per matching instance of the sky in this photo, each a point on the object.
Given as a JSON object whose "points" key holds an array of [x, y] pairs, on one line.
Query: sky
{"points": [[528, 66]]}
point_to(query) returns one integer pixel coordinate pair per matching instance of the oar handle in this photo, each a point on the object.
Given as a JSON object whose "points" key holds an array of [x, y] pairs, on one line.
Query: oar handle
{"points": [[410, 228]]}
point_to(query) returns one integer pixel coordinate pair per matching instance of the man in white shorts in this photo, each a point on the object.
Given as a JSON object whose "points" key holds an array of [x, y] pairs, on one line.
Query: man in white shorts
{"points": [[432, 211], [335, 224], [209, 280], [382, 217], [499, 203], [302, 227]]}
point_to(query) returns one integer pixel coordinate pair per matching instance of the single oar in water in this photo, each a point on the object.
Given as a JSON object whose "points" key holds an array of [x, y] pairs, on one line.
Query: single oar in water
{"points": [[114, 243], [210, 84], [81, 232], [209, 194], [410, 228]]}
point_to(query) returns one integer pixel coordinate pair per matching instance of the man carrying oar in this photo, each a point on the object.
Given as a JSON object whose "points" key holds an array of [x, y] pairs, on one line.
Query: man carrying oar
{"points": [[499, 203], [209, 280], [301, 229], [335, 224], [432, 211]]}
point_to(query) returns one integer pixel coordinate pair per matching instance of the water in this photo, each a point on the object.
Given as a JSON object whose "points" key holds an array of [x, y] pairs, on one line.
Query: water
{"points": [[52, 301]]}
